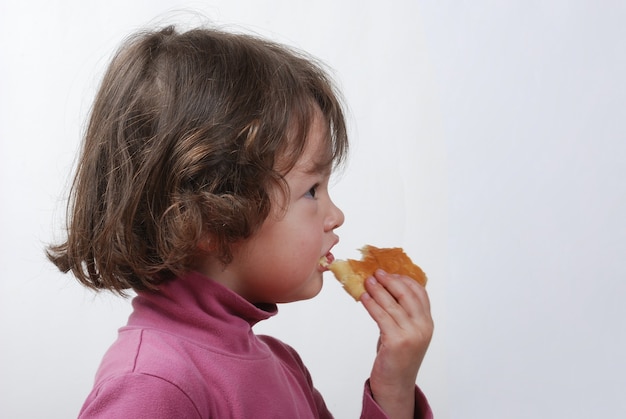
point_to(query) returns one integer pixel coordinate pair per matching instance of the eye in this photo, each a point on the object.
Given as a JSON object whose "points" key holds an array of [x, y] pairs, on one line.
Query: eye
{"points": [[313, 191]]}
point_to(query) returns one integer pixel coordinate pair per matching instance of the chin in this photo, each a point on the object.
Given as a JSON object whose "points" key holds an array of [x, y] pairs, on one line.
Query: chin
{"points": [[311, 290]]}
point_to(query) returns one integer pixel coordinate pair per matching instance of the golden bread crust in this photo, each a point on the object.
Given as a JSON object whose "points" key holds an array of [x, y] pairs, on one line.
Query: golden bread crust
{"points": [[352, 273]]}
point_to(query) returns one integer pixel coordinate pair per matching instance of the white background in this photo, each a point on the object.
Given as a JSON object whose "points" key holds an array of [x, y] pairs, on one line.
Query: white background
{"points": [[488, 141]]}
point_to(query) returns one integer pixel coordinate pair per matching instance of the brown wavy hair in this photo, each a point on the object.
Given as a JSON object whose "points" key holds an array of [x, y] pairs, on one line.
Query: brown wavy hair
{"points": [[182, 144]]}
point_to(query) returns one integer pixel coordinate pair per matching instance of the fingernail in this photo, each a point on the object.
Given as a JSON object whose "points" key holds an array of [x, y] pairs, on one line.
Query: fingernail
{"points": [[380, 272]]}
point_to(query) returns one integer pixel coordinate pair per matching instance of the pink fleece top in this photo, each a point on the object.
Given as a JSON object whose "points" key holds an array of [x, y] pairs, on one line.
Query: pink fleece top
{"points": [[188, 351]]}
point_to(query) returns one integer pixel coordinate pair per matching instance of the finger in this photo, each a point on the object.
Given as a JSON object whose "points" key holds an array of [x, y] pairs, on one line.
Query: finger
{"points": [[375, 302], [384, 307], [408, 293]]}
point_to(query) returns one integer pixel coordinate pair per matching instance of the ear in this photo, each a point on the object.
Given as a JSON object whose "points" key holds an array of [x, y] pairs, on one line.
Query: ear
{"points": [[206, 245]]}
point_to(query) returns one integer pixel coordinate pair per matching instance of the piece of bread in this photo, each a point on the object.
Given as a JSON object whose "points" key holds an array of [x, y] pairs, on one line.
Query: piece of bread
{"points": [[352, 273]]}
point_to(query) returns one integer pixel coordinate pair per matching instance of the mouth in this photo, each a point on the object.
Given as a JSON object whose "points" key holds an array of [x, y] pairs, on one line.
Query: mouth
{"points": [[326, 260]]}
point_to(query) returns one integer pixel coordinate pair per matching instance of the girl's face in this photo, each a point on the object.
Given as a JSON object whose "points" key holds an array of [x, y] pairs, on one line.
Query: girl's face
{"points": [[281, 262]]}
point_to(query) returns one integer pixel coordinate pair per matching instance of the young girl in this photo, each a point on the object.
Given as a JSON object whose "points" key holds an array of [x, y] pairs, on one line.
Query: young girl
{"points": [[203, 186]]}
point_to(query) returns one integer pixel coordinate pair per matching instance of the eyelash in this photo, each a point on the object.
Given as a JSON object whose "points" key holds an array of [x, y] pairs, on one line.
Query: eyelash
{"points": [[313, 191]]}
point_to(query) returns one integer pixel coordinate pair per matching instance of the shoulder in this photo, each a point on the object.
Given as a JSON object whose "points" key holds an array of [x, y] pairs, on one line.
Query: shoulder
{"points": [[142, 371], [280, 348], [287, 354], [138, 395], [144, 351]]}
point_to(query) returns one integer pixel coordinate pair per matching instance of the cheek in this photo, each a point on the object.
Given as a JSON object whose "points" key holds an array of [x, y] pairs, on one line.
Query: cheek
{"points": [[295, 237], [297, 249], [307, 241]]}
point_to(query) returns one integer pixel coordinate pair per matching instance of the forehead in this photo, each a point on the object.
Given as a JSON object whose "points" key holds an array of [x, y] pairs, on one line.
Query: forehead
{"points": [[317, 155], [309, 148]]}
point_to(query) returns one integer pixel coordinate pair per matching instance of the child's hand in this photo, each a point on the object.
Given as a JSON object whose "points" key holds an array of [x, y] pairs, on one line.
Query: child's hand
{"points": [[400, 307]]}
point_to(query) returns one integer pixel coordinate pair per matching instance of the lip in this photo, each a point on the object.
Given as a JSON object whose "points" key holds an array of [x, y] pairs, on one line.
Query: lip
{"points": [[325, 262], [328, 258]]}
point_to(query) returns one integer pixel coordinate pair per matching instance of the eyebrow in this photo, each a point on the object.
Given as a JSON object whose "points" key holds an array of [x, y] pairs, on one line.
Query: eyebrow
{"points": [[318, 167], [322, 162]]}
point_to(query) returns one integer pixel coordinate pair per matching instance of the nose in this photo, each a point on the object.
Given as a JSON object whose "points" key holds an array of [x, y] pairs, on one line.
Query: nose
{"points": [[335, 217]]}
